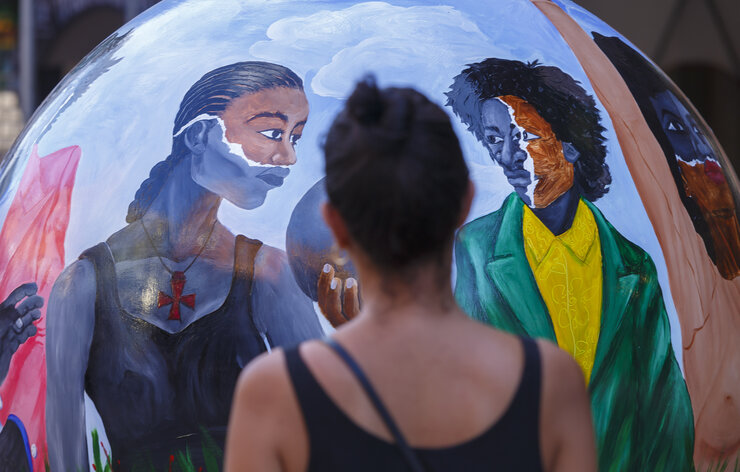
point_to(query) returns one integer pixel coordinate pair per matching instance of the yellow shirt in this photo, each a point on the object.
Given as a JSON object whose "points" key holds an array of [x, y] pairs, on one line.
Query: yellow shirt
{"points": [[567, 269]]}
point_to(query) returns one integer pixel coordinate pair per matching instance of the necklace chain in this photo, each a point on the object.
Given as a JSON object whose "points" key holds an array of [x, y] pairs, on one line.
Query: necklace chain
{"points": [[161, 260]]}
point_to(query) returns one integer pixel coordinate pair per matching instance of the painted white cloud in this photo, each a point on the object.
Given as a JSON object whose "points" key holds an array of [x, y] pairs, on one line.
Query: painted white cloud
{"points": [[420, 45]]}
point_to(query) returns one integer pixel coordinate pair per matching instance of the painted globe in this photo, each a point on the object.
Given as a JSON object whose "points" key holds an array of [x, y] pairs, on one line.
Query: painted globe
{"points": [[161, 222]]}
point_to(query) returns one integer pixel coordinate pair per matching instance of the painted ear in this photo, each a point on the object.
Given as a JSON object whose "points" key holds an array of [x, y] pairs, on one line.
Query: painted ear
{"points": [[196, 137], [571, 153]]}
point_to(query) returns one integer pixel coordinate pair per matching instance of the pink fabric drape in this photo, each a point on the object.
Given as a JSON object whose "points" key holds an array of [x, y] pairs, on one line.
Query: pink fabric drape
{"points": [[32, 250]]}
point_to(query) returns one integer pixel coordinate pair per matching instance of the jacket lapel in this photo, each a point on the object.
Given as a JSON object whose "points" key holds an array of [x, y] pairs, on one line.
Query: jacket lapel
{"points": [[509, 271], [619, 283]]}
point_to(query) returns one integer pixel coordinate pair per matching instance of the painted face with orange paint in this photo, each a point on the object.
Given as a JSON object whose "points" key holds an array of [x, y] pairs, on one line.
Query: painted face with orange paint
{"points": [[524, 145], [250, 146]]}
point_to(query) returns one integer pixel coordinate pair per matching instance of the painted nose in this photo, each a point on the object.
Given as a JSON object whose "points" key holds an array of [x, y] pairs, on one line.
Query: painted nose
{"points": [[699, 147], [511, 153], [285, 155]]}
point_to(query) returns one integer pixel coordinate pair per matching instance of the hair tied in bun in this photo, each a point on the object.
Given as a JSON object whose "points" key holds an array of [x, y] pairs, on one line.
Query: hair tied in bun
{"points": [[366, 103]]}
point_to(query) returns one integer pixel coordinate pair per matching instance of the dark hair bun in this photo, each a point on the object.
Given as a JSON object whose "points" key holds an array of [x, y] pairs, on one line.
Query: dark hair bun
{"points": [[396, 174], [366, 104]]}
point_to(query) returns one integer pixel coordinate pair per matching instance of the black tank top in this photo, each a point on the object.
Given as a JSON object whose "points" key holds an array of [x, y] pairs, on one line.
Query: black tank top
{"points": [[158, 393], [338, 444]]}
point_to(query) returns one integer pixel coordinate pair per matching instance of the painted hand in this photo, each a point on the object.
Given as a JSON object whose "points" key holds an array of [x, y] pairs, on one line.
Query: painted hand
{"points": [[17, 314], [337, 305]]}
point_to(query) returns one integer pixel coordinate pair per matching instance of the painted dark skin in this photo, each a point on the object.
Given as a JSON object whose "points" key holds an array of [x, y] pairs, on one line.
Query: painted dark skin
{"points": [[239, 156], [702, 179], [17, 315], [687, 140], [505, 134]]}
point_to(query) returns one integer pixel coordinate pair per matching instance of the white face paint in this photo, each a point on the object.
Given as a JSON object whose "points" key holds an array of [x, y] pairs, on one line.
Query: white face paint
{"points": [[528, 163], [233, 148], [695, 162], [225, 170]]}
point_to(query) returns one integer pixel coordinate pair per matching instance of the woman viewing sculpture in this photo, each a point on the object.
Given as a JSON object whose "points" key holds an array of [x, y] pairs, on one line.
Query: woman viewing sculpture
{"points": [[156, 323], [465, 396]]}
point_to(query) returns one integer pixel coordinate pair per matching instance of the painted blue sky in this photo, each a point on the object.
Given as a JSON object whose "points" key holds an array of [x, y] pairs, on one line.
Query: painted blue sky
{"points": [[123, 120]]}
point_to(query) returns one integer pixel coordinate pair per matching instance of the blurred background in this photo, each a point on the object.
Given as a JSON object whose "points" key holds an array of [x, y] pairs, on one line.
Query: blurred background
{"points": [[696, 42]]}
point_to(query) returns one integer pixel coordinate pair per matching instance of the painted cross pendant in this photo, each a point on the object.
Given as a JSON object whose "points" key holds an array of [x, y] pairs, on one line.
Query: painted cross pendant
{"points": [[178, 285]]}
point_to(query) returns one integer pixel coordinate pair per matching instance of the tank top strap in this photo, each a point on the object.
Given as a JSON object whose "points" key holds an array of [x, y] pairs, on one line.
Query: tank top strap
{"points": [[239, 300], [532, 375], [245, 254], [526, 403], [525, 407], [307, 389], [321, 415], [106, 282]]}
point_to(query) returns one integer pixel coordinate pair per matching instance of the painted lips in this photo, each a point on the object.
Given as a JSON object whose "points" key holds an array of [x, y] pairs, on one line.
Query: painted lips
{"points": [[518, 177], [274, 177], [714, 172]]}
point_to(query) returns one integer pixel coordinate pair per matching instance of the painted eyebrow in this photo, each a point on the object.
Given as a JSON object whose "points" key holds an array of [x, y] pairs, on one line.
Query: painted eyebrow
{"points": [[300, 123], [494, 128], [268, 114], [669, 115]]}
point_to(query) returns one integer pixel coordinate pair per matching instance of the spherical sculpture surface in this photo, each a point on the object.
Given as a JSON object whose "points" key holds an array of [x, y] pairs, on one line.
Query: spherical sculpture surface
{"points": [[163, 207]]}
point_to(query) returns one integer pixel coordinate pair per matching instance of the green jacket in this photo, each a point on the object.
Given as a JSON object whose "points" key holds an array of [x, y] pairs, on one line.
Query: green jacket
{"points": [[639, 402]]}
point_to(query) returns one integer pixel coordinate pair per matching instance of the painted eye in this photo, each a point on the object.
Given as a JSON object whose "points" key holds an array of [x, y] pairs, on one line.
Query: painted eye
{"points": [[527, 136], [273, 134], [495, 139], [675, 127], [294, 139]]}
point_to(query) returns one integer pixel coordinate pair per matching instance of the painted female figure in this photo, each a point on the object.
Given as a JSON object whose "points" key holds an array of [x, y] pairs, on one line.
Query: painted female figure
{"points": [[155, 323]]}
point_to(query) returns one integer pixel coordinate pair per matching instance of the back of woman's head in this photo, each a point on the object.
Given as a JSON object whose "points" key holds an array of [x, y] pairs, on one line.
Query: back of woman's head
{"points": [[396, 175]]}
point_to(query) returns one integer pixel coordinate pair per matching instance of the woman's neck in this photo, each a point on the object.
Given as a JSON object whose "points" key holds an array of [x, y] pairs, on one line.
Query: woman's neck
{"points": [[425, 291], [182, 215]]}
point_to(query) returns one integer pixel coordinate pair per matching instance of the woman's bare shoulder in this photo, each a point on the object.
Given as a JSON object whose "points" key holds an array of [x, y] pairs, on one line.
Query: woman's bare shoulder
{"points": [[265, 421], [566, 431], [561, 374], [264, 380]]}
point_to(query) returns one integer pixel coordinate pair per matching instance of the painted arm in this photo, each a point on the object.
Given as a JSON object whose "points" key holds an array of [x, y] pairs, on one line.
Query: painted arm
{"points": [[17, 315], [280, 308], [70, 323], [664, 420]]}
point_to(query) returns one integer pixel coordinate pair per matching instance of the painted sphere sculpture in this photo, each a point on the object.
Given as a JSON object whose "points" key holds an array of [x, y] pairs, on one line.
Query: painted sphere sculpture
{"points": [[161, 222]]}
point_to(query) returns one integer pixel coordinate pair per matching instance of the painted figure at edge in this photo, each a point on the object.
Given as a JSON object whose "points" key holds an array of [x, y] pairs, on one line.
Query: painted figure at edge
{"points": [[700, 180], [18, 312], [156, 322], [548, 264]]}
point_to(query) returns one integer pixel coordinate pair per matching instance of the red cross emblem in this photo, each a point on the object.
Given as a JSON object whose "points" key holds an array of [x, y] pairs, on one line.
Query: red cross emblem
{"points": [[178, 285]]}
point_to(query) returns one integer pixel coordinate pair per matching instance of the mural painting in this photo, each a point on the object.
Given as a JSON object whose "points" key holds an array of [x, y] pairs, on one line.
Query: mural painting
{"points": [[548, 264], [699, 177], [704, 189], [32, 253], [176, 215], [168, 310], [705, 301]]}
